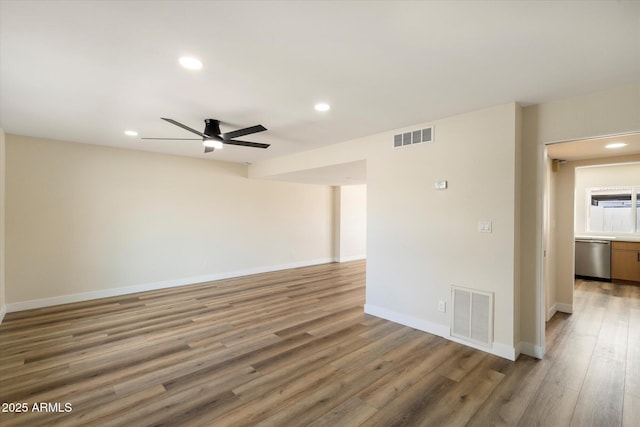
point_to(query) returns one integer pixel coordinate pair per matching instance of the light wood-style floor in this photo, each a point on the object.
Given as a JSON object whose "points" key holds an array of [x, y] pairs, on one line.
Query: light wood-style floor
{"points": [[294, 348]]}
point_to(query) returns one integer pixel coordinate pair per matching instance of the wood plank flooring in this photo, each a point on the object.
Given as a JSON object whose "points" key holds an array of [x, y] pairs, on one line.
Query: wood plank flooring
{"points": [[294, 348]]}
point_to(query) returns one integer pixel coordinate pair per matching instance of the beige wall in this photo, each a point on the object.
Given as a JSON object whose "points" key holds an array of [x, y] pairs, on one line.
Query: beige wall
{"points": [[608, 112], [89, 219], [517, 243], [420, 240], [351, 222], [549, 224], [563, 238], [2, 225]]}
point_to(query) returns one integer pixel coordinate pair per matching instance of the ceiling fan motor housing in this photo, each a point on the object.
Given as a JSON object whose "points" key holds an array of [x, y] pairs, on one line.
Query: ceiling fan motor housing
{"points": [[212, 127]]}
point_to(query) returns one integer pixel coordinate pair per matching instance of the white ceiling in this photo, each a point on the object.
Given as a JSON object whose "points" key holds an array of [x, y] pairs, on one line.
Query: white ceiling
{"points": [[85, 71]]}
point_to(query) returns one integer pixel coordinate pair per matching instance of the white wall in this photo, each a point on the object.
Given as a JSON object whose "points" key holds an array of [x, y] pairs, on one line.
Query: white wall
{"points": [[91, 221], [351, 222], [2, 225]]}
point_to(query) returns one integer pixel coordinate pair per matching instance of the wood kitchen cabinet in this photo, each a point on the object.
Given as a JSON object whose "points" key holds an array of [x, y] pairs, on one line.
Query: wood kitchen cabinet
{"points": [[625, 261]]}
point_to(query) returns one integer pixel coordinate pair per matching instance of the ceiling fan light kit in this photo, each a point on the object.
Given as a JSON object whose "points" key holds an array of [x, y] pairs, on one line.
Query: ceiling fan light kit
{"points": [[212, 138], [213, 143]]}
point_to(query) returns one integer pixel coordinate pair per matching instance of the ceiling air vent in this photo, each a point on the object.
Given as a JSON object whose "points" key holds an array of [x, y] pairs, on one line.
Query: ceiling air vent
{"points": [[414, 137]]}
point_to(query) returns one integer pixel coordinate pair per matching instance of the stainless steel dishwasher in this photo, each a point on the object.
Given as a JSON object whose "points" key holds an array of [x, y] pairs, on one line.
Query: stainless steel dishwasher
{"points": [[593, 258]]}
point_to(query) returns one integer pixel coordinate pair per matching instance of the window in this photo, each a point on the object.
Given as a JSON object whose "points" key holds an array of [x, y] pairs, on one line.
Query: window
{"points": [[614, 210]]}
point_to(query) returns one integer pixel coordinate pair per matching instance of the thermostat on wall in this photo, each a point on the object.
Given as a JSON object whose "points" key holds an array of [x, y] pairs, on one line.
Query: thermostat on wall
{"points": [[441, 185]]}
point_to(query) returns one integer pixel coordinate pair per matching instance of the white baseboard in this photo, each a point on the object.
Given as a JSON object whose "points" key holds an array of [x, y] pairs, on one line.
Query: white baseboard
{"points": [[3, 311], [350, 258], [498, 349], [564, 308], [403, 319], [530, 349], [112, 292], [559, 307]]}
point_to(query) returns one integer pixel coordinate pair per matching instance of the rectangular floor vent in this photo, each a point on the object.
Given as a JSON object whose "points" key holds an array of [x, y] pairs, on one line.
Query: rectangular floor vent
{"points": [[472, 315], [414, 137]]}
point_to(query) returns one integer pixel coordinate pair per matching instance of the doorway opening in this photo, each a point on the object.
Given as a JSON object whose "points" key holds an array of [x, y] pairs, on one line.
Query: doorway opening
{"points": [[581, 180]]}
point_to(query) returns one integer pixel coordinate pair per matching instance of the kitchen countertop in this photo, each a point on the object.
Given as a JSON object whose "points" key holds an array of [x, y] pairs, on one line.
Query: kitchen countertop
{"points": [[610, 238]]}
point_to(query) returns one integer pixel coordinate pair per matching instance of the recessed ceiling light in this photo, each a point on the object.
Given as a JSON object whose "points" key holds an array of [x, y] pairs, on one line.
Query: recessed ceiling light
{"points": [[322, 106], [616, 145], [131, 133], [190, 63]]}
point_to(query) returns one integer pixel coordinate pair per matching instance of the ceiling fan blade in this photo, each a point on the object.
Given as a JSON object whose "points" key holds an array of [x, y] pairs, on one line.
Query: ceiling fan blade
{"points": [[246, 144], [242, 132], [185, 127], [177, 139], [208, 149]]}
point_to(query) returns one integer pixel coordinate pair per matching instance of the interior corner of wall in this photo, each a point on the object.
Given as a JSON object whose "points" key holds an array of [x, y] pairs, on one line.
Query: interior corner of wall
{"points": [[564, 308]]}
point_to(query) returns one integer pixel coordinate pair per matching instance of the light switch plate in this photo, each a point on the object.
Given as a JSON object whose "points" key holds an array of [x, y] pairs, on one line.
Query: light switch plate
{"points": [[484, 226]]}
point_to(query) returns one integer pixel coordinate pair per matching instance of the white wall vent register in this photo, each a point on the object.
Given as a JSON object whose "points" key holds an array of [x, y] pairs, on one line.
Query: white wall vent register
{"points": [[414, 137], [472, 315]]}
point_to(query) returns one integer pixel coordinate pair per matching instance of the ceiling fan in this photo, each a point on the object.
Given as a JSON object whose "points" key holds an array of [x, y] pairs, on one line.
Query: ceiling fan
{"points": [[212, 138]]}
